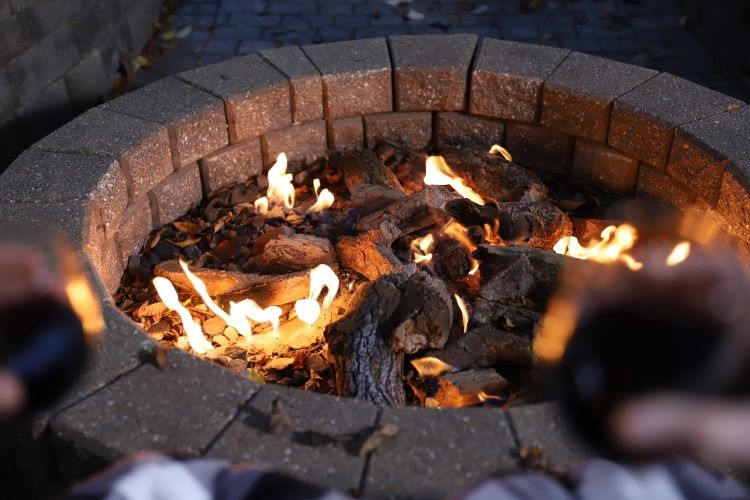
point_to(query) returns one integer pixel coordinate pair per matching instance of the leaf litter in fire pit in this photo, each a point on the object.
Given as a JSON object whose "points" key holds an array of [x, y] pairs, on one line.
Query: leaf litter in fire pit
{"points": [[484, 259]]}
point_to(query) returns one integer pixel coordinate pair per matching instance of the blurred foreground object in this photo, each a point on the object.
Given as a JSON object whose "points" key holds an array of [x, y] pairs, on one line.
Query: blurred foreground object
{"points": [[48, 317]]}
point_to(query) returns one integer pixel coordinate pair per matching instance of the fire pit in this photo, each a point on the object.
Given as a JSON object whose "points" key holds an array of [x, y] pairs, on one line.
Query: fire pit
{"points": [[143, 160]]}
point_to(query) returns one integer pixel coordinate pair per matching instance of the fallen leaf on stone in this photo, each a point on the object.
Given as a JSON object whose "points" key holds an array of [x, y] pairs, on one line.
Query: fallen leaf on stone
{"points": [[279, 364], [414, 15], [167, 35], [183, 32], [377, 437], [214, 326], [255, 376], [150, 310], [186, 243], [187, 227], [480, 9]]}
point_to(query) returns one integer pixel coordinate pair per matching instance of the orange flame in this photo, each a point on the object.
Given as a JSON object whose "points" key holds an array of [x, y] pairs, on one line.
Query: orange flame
{"points": [[497, 149], [438, 173], [325, 200], [431, 367], [168, 295], [459, 233], [464, 311], [679, 253], [321, 276], [280, 188], [421, 248], [615, 243]]}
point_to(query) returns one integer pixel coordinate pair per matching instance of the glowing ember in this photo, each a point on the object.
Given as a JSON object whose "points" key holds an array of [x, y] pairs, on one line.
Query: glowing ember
{"points": [[325, 200], [261, 205], [464, 311], [249, 309], [168, 295], [431, 367], [496, 149], [679, 253], [321, 276], [421, 248], [280, 188], [438, 173], [616, 241]]}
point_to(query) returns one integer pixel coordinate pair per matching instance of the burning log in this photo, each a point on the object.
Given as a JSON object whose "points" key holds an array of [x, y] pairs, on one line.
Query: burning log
{"points": [[369, 182], [494, 176], [467, 388], [425, 315], [370, 253], [366, 367], [266, 289], [295, 252], [484, 347], [534, 223]]}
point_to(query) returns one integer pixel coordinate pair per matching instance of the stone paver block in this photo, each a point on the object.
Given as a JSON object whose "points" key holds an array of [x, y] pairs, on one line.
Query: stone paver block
{"points": [[356, 77], [181, 407], [346, 133], [413, 129], [542, 426], [461, 128], [176, 194], [47, 111], [600, 165], [305, 80], [135, 226], [734, 200], [644, 119], [430, 71], [702, 150], [40, 176], [577, 96], [655, 183], [539, 147], [235, 163], [442, 450], [88, 81], [303, 144], [256, 94], [122, 347], [195, 119], [141, 147], [319, 446], [508, 76]]}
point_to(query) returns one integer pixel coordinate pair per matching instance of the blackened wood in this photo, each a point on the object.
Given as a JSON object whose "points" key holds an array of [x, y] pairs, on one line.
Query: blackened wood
{"points": [[368, 181]]}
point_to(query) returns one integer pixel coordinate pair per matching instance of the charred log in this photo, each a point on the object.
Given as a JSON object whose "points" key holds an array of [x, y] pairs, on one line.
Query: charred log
{"points": [[368, 181], [295, 253], [486, 346]]}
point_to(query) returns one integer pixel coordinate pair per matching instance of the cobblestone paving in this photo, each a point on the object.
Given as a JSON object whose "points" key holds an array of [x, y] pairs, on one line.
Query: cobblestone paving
{"points": [[646, 32]]}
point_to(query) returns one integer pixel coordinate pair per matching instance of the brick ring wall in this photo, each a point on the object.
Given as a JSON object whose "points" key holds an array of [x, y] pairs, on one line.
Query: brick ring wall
{"points": [[111, 175]]}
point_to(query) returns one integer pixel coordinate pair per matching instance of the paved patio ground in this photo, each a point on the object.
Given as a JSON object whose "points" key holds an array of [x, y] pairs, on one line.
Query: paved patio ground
{"points": [[650, 33]]}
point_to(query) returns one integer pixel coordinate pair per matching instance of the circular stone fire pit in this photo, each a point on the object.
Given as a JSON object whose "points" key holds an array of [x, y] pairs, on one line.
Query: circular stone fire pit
{"points": [[109, 176]]}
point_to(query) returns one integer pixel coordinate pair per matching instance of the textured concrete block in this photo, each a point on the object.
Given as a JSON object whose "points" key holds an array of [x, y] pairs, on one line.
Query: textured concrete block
{"points": [[413, 129], [644, 119], [303, 144], [135, 226], [507, 78], [176, 408], [330, 464], [346, 133], [88, 82], [577, 96], [195, 119], [305, 80], [541, 426], [141, 147], [459, 128], [443, 450], [539, 147], [655, 183], [430, 71], [46, 111], [256, 94], [39, 176], [235, 163], [605, 167], [176, 194], [356, 77], [734, 199]]}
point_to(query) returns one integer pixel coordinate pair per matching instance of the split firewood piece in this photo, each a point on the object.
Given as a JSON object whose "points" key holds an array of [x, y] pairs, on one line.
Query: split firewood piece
{"points": [[369, 182], [370, 253], [495, 177], [515, 319], [295, 253], [534, 223], [485, 346], [265, 289], [467, 388], [366, 367], [424, 316]]}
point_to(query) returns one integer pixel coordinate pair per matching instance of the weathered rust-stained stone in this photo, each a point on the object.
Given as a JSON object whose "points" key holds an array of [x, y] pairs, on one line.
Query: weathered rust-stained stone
{"points": [[465, 129], [176, 194], [134, 228], [194, 118], [346, 133], [409, 129], [234, 163], [539, 147], [430, 71], [600, 165], [304, 143], [507, 78], [305, 81], [655, 183]]}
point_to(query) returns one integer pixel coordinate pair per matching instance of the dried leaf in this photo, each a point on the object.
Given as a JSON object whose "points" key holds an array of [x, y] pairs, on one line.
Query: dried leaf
{"points": [[141, 60], [255, 376], [187, 227], [377, 437], [167, 35], [149, 310], [186, 243], [414, 15], [184, 32]]}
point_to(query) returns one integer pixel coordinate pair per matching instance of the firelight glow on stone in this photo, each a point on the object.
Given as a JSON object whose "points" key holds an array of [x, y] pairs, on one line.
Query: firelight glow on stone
{"points": [[280, 187], [438, 173], [168, 295]]}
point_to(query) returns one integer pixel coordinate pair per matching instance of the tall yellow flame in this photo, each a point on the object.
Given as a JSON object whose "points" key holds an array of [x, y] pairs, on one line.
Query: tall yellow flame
{"points": [[168, 295], [438, 173], [280, 188], [421, 248], [321, 276]]}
